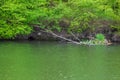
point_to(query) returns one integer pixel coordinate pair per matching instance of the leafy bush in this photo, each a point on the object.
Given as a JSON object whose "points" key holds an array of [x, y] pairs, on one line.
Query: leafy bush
{"points": [[100, 37]]}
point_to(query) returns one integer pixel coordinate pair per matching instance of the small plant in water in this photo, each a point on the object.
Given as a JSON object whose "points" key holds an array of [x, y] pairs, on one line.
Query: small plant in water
{"points": [[100, 37]]}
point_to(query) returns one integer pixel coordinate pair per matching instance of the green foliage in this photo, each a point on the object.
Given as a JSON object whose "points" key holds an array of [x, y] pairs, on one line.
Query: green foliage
{"points": [[13, 20], [100, 37], [17, 16]]}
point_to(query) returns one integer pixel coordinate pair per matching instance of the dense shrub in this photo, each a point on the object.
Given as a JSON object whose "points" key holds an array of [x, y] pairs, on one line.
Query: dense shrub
{"points": [[100, 37], [17, 16]]}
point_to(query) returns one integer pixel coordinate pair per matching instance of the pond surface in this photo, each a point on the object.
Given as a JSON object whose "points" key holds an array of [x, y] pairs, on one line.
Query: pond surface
{"points": [[56, 61]]}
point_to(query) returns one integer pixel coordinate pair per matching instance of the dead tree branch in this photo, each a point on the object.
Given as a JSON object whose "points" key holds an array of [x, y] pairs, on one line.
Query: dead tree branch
{"points": [[64, 38]]}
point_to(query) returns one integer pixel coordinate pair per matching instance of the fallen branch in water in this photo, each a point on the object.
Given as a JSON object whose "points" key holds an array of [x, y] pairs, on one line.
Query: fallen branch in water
{"points": [[64, 38]]}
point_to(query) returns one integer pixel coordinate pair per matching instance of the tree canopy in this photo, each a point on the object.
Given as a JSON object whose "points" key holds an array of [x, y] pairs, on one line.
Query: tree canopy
{"points": [[18, 16]]}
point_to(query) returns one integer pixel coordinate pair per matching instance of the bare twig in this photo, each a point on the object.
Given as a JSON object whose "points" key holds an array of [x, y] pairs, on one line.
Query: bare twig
{"points": [[75, 37]]}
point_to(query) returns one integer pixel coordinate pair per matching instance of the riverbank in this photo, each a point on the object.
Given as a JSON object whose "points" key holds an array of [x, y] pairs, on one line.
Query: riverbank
{"points": [[39, 35]]}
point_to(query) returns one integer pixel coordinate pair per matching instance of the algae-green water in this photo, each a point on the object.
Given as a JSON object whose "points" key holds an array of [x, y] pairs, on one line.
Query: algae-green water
{"points": [[58, 61]]}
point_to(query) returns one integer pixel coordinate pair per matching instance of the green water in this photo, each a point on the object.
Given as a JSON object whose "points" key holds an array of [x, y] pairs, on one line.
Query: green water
{"points": [[56, 61]]}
